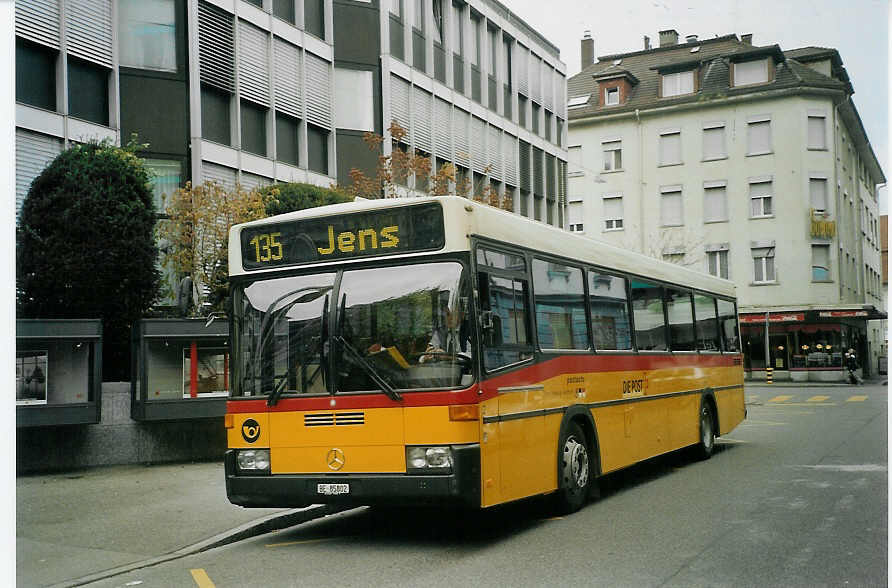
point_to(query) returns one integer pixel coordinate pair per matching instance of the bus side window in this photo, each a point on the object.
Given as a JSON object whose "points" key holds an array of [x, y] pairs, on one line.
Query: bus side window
{"points": [[650, 324], [560, 306], [728, 322], [681, 317], [504, 320], [609, 309], [707, 326]]}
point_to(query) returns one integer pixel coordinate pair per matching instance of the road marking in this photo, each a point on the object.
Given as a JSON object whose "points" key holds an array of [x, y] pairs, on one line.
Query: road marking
{"points": [[858, 398], [767, 423], [817, 399], [286, 543], [805, 404], [782, 398], [201, 578]]}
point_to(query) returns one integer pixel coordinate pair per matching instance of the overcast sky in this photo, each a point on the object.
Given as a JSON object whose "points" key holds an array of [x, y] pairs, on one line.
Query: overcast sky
{"points": [[858, 29]]}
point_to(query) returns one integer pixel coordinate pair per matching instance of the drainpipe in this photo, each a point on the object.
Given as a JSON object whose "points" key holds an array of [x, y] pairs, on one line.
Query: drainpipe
{"points": [[641, 178]]}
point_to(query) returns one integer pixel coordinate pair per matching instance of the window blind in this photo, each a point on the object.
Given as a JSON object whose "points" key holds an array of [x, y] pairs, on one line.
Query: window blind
{"points": [[253, 63], [215, 47], [715, 207], [422, 118], [288, 80], [38, 21], [318, 90], [88, 30], [443, 128]]}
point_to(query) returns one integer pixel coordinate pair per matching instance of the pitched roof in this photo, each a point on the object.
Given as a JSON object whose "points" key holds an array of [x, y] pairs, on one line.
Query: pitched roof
{"points": [[713, 56]]}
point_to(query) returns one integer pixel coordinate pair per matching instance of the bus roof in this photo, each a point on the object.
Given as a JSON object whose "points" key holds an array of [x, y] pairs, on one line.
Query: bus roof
{"points": [[464, 218]]}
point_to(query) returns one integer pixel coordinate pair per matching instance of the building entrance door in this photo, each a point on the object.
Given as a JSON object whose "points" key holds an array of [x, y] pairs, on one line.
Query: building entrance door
{"points": [[780, 351]]}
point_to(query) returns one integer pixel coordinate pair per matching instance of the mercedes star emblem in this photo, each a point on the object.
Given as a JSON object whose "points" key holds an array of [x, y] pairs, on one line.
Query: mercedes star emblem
{"points": [[335, 459]]}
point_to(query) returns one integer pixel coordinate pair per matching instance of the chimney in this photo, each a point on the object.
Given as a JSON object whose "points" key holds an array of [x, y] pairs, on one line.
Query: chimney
{"points": [[668, 37], [747, 39], [690, 39], [646, 43], [587, 50]]}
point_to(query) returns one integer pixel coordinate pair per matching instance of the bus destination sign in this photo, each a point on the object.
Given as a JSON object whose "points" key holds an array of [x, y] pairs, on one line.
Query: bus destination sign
{"points": [[362, 234]]}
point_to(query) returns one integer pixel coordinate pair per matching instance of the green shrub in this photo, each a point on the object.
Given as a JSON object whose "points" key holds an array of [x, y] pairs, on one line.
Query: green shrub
{"points": [[294, 196], [85, 246]]}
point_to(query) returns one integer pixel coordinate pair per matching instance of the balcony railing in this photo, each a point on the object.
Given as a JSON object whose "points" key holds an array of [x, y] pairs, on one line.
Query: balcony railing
{"points": [[820, 226]]}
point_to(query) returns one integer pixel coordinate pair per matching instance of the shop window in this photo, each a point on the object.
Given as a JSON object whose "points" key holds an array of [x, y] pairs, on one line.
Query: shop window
{"points": [[708, 338], [87, 91], [609, 310], [647, 307], [147, 38], [35, 74], [560, 306]]}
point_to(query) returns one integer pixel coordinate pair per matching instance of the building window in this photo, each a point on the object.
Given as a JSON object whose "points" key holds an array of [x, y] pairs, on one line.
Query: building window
{"points": [[671, 206], [147, 38], [87, 91], [715, 203], [751, 72], [166, 177], [820, 263], [677, 84], [314, 17], [817, 189], [817, 135], [284, 9], [613, 213], [613, 155], [576, 228], [670, 147], [458, 35], [287, 144], [317, 148], [676, 257], [35, 74], [215, 124], [763, 265], [253, 128], [717, 263], [396, 8], [758, 134], [475, 40], [611, 96], [437, 10], [714, 143], [419, 15], [760, 199]]}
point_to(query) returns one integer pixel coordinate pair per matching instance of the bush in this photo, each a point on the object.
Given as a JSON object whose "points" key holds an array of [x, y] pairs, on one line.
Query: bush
{"points": [[283, 198], [85, 246]]}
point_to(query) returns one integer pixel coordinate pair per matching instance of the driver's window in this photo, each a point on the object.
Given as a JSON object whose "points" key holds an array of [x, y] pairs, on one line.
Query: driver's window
{"points": [[504, 300]]}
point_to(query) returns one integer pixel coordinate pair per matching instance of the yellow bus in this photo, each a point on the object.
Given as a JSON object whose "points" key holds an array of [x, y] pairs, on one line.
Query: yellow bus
{"points": [[437, 350]]}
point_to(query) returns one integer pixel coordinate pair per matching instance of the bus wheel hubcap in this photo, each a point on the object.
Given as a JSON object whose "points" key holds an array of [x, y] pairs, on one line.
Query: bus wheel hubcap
{"points": [[575, 463]]}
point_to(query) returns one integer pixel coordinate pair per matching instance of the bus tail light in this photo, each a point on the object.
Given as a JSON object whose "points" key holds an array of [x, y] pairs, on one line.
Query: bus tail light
{"points": [[464, 412]]}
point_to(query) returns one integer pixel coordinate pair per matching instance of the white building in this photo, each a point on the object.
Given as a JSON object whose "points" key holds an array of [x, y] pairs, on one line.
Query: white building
{"points": [[748, 162]]}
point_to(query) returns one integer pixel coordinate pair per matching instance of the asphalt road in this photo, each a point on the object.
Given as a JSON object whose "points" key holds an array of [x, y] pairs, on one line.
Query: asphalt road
{"points": [[796, 496]]}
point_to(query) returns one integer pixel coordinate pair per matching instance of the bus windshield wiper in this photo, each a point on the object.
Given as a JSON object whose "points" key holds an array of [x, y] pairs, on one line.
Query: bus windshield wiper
{"points": [[369, 369]]}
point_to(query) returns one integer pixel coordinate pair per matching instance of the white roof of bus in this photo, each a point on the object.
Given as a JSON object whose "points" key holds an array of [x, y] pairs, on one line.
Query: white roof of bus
{"points": [[485, 221]]}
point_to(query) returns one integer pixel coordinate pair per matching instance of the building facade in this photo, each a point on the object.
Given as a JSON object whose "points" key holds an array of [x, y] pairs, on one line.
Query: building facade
{"points": [[747, 162], [260, 91]]}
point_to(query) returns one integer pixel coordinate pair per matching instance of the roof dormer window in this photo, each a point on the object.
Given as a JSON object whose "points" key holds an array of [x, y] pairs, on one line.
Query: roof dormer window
{"points": [[611, 96], [677, 83], [751, 72]]}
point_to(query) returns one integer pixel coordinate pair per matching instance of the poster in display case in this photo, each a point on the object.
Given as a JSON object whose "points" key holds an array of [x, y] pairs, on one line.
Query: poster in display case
{"points": [[31, 377], [211, 376]]}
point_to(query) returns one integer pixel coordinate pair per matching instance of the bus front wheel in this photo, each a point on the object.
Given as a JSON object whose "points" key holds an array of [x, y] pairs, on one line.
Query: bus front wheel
{"points": [[706, 445], [574, 469]]}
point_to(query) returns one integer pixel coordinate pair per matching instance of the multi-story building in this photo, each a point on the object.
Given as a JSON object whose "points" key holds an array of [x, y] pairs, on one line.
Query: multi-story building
{"points": [[259, 91], [749, 162]]}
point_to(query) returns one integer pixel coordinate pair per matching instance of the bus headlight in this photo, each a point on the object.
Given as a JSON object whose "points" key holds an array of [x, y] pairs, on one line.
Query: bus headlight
{"points": [[253, 460], [429, 460]]}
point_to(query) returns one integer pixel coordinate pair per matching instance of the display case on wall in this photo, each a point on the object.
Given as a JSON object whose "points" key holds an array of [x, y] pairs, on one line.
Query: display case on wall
{"points": [[58, 372], [180, 369]]}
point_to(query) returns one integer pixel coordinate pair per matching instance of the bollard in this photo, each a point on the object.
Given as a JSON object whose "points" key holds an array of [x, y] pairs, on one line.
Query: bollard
{"points": [[769, 371]]}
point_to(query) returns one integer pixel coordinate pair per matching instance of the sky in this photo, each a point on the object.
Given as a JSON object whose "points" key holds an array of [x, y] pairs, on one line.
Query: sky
{"points": [[858, 29]]}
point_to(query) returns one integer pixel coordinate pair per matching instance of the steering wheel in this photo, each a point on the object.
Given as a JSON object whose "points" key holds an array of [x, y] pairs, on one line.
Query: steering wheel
{"points": [[464, 360]]}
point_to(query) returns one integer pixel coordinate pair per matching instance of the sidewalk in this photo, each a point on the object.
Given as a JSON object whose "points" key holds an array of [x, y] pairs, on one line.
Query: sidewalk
{"points": [[74, 527], [872, 381]]}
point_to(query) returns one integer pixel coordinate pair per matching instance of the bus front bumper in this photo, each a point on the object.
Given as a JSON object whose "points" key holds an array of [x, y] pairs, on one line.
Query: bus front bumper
{"points": [[461, 487]]}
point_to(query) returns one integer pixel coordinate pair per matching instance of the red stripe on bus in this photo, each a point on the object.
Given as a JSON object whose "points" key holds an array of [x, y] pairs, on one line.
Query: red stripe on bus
{"points": [[530, 375]]}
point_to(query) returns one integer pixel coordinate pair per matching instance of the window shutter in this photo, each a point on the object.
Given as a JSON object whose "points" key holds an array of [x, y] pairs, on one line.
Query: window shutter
{"points": [[460, 123], [318, 91], [670, 148], [574, 213], [714, 143], [88, 30], [538, 172], [525, 163], [399, 101], [422, 119], [759, 136], [33, 152], [750, 72], [548, 88], [613, 208], [494, 149], [478, 145], [523, 66], [535, 78], [288, 77], [816, 134], [509, 153], [215, 47], [562, 182], [714, 204], [550, 177], [817, 188], [251, 181], [670, 209], [225, 176], [561, 95], [38, 21], [253, 63], [443, 128]]}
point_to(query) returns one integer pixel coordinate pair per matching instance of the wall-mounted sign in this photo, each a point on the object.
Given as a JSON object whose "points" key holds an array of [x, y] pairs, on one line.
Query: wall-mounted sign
{"points": [[778, 317], [30, 377], [842, 313]]}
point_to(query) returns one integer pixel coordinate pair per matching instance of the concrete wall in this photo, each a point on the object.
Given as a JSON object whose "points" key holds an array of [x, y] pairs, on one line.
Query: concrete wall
{"points": [[118, 439]]}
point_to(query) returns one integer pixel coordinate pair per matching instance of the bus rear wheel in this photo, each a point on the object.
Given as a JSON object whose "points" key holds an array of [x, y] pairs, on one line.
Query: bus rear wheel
{"points": [[706, 445], [574, 469]]}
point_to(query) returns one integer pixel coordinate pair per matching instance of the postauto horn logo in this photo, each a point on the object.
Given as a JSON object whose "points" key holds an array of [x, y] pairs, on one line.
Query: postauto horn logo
{"points": [[250, 430]]}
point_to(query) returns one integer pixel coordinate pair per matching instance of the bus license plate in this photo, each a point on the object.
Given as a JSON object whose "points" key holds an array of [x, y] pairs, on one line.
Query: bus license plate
{"points": [[330, 489]]}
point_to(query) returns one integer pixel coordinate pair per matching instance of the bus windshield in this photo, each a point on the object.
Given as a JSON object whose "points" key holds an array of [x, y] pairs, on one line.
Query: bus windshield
{"points": [[393, 328]]}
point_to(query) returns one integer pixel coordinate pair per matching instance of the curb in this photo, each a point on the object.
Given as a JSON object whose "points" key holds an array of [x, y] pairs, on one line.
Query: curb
{"points": [[267, 524]]}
